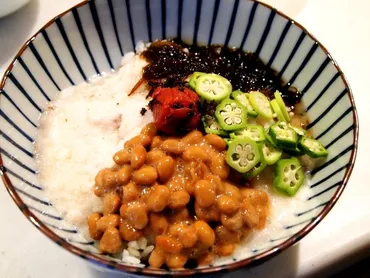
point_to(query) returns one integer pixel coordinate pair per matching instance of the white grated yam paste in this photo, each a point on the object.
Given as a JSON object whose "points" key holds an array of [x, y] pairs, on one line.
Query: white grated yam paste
{"points": [[81, 131]]}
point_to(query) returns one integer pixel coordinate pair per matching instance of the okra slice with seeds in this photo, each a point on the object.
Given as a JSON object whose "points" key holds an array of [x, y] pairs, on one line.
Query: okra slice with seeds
{"points": [[243, 98], [256, 170], [261, 104], [270, 154], [231, 115], [283, 135], [213, 87], [194, 78], [254, 132], [243, 154], [312, 147], [300, 131], [268, 137], [212, 126], [289, 176]]}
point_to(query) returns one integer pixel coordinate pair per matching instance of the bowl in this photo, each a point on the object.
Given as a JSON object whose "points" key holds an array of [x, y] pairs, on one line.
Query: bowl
{"points": [[90, 39]]}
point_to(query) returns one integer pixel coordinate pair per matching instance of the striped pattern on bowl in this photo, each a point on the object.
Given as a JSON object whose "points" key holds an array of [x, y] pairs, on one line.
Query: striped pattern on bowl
{"points": [[91, 38]]}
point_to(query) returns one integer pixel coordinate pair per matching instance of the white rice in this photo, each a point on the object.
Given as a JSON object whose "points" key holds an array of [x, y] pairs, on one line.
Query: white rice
{"points": [[79, 134], [136, 251]]}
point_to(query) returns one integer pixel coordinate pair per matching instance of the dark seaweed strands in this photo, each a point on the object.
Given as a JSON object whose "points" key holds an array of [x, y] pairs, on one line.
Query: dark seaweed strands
{"points": [[170, 62]]}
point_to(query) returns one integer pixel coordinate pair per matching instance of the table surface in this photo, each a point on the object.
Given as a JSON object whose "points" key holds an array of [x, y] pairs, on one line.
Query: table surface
{"points": [[342, 238]]}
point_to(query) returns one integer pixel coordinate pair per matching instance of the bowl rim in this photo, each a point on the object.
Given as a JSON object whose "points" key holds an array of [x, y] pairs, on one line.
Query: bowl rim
{"points": [[251, 261]]}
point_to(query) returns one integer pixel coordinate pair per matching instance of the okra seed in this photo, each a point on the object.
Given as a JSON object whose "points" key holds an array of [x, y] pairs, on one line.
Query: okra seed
{"points": [[228, 108], [235, 156], [238, 110], [214, 126], [243, 162], [250, 156]]}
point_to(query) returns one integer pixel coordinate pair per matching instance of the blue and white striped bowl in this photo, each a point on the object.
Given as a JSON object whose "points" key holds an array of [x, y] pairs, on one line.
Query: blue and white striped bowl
{"points": [[91, 38]]}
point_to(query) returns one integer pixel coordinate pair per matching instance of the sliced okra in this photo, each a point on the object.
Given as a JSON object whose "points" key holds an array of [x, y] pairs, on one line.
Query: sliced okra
{"points": [[256, 170], [213, 87], [212, 126], [312, 147], [254, 132], [261, 104], [270, 153], [289, 176], [231, 115], [194, 78], [281, 104], [243, 98], [277, 110], [243, 154], [284, 136]]}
